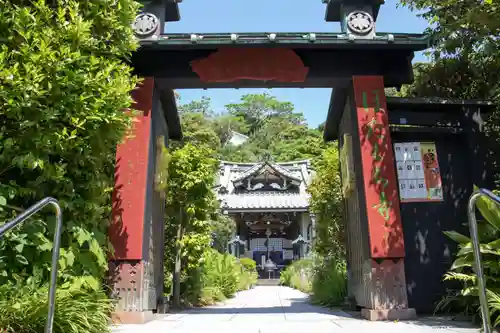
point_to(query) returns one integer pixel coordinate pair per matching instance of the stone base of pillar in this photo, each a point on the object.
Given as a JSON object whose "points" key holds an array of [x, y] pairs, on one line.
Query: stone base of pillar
{"points": [[133, 289], [392, 314], [128, 317]]}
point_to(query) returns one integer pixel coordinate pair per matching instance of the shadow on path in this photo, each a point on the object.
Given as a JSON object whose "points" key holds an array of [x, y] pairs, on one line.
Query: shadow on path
{"points": [[277, 309]]}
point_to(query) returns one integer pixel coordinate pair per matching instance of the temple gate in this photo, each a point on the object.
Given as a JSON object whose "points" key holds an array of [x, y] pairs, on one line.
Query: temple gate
{"points": [[358, 63], [427, 155]]}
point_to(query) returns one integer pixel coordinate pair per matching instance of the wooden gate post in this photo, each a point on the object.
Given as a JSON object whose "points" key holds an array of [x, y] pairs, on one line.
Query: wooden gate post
{"points": [[130, 269], [382, 290]]}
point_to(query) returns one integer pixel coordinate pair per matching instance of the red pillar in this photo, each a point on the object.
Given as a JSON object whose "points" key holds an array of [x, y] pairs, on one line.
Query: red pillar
{"points": [[385, 276], [128, 270]]}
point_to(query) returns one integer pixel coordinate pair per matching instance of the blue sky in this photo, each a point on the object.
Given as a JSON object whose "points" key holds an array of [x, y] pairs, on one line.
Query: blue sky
{"points": [[277, 16]]}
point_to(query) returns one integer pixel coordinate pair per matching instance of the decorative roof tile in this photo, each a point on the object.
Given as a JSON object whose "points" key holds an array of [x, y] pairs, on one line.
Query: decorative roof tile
{"points": [[258, 167], [237, 198], [265, 200]]}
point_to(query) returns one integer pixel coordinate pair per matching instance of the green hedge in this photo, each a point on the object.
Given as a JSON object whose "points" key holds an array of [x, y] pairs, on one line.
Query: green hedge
{"points": [[64, 86]]}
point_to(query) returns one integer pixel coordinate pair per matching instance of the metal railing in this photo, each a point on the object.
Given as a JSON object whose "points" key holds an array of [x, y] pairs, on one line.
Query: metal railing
{"points": [[477, 253], [55, 251]]}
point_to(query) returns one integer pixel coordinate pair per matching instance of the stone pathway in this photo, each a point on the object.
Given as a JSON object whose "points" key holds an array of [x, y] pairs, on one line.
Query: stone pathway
{"points": [[273, 309]]}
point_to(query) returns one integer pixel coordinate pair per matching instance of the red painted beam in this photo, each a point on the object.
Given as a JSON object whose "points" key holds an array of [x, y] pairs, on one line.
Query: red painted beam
{"points": [[129, 196], [258, 64], [379, 174]]}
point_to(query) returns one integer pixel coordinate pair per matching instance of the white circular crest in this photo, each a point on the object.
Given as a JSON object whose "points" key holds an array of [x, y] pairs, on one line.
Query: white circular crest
{"points": [[145, 24], [360, 22]]}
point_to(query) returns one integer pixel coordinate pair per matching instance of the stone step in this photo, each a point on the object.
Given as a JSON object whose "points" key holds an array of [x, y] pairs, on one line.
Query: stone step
{"points": [[268, 282]]}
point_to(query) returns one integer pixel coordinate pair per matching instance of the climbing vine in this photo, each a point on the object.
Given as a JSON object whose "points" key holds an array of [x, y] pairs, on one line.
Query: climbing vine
{"points": [[375, 133]]}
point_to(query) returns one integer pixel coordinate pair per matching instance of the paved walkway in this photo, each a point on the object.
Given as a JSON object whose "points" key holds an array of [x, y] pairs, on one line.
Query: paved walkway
{"points": [[269, 309]]}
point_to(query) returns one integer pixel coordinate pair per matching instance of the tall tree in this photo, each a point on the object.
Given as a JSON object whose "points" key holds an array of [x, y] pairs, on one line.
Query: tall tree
{"points": [[199, 130], [225, 124], [202, 106], [255, 109], [275, 129], [190, 204]]}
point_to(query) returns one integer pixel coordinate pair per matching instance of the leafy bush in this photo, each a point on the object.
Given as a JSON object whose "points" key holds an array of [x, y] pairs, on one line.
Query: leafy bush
{"points": [[64, 88], [79, 308], [286, 276], [210, 295], [219, 277], [467, 298], [325, 280], [298, 275], [329, 285], [248, 273], [248, 264], [328, 205], [222, 271]]}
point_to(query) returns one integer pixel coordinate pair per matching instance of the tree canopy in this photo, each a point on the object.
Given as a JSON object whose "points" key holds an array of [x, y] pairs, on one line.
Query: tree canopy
{"points": [[274, 128], [465, 58], [466, 53]]}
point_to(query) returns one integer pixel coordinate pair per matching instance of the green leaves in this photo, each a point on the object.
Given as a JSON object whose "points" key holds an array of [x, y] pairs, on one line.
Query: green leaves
{"points": [[3, 202], [79, 308], [457, 237], [465, 58], [63, 88], [490, 211], [190, 202], [272, 126], [327, 203], [21, 259], [462, 269]]}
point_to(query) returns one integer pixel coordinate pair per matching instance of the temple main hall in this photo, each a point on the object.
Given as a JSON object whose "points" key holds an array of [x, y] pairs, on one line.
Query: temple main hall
{"points": [[269, 204]]}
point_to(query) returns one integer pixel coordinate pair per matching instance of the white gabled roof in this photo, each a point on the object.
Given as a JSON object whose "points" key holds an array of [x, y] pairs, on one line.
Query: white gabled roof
{"points": [[232, 173]]}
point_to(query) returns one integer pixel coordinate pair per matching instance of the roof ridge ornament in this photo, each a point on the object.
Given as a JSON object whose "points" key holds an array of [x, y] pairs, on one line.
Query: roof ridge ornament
{"points": [[357, 17], [150, 22], [146, 26], [267, 157]]}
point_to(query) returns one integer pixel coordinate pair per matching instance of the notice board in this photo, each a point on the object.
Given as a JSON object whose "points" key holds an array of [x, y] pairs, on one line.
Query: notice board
{"points": [[418, 172]]}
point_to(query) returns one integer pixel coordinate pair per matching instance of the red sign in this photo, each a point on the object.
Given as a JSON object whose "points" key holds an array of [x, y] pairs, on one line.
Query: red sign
{"points": [[379, 174], [263, 64]]}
